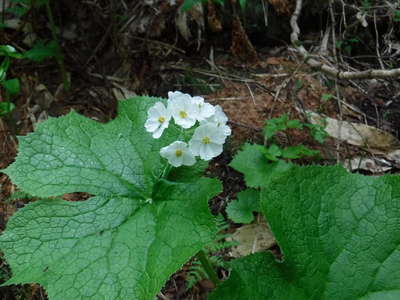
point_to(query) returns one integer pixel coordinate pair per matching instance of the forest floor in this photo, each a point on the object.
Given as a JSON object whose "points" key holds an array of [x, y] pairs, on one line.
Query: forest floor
{"points": [[252, 80]]}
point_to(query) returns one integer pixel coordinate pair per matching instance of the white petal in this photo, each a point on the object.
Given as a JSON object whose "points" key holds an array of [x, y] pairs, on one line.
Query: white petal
{"points": [[162, 111], [194, 146], [188, 158], [175, 161], [220, 116], [174, 94], [217, 135], [151, 125], [226, 130], [198, 100], [185, 122], [166, 152], [158, 132], [169, 153], [203, 152], [216, 149], [207, 110], [182, 103]]}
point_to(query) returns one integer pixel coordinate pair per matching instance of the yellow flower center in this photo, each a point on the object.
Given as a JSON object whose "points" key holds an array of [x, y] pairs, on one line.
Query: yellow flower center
{"points": [[206, 140], [178, 153], [161, 119], [183, 114]]}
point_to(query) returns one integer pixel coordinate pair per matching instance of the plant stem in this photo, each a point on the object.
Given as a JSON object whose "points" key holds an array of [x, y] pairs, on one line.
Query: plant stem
{"points": [[201, 255], [59, 57]]}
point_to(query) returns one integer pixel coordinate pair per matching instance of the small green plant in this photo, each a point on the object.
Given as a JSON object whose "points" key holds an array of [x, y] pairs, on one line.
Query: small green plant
{"points": [[149, 213], [282, 123], [261, 164], [241, 210], [347, 45], [396, 15], [42, 49], [327, 97], [366, 5], [11, 86], [220, 244]]}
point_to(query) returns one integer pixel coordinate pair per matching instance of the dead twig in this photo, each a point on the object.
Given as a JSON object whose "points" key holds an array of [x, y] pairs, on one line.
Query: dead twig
{"points": [[331, 71]]}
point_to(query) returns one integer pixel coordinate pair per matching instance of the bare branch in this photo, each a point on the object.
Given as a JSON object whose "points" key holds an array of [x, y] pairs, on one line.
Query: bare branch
{"points": [[331, 71]]}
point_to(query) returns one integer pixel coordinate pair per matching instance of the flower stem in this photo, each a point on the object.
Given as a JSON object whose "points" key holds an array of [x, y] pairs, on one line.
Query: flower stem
{"points": [[201, 255], [59, 57]]}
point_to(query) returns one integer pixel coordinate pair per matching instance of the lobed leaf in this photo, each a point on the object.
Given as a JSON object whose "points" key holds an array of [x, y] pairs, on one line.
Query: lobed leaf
{"points": [[339, 233], [124, 242], [241, 210], [257, 170]]}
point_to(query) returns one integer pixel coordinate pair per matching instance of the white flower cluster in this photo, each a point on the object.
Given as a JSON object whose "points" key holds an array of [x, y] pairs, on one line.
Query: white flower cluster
{"points": [[208, 137]]}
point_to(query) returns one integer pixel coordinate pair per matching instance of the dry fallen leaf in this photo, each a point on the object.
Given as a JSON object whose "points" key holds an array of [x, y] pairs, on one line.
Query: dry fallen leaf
{"points": [[252, 238], [373, 139], [367, 164]]}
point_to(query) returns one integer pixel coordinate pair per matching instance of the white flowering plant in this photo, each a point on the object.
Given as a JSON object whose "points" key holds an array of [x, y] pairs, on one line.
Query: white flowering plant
{"points": [[204, 128], [148, 213]]}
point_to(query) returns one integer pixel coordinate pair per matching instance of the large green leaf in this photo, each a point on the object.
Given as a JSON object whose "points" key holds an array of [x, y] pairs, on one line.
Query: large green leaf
{"points": [[124, 242], [75, 154], [340, 235], [253, 276]]}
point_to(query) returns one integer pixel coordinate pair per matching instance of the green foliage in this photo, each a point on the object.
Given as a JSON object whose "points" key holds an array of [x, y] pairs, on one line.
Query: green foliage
{"points": [[253, 163], [339, 235], [17, 195], [260, 164], [252, 276], [11, 86], [274, 125], [366, 5], [6, 107], [125, 241], [347, 44], [42, 50], [396, 16], [326, 97], [22, 7], [9, 51], [282, 123], [195, 274], [242, 3], [241, 210], [295, 152], [196, 269], [317, 131]]}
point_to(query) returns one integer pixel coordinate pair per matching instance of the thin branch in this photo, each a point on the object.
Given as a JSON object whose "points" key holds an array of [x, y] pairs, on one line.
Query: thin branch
{"points": [[330, 71]]}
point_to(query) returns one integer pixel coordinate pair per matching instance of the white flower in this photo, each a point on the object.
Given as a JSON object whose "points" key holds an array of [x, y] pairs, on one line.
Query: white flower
{"points": [[182, 109], [204, 109], [220, 119], [158, 118], [178, 153], [207, 141], [174, 94]]}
